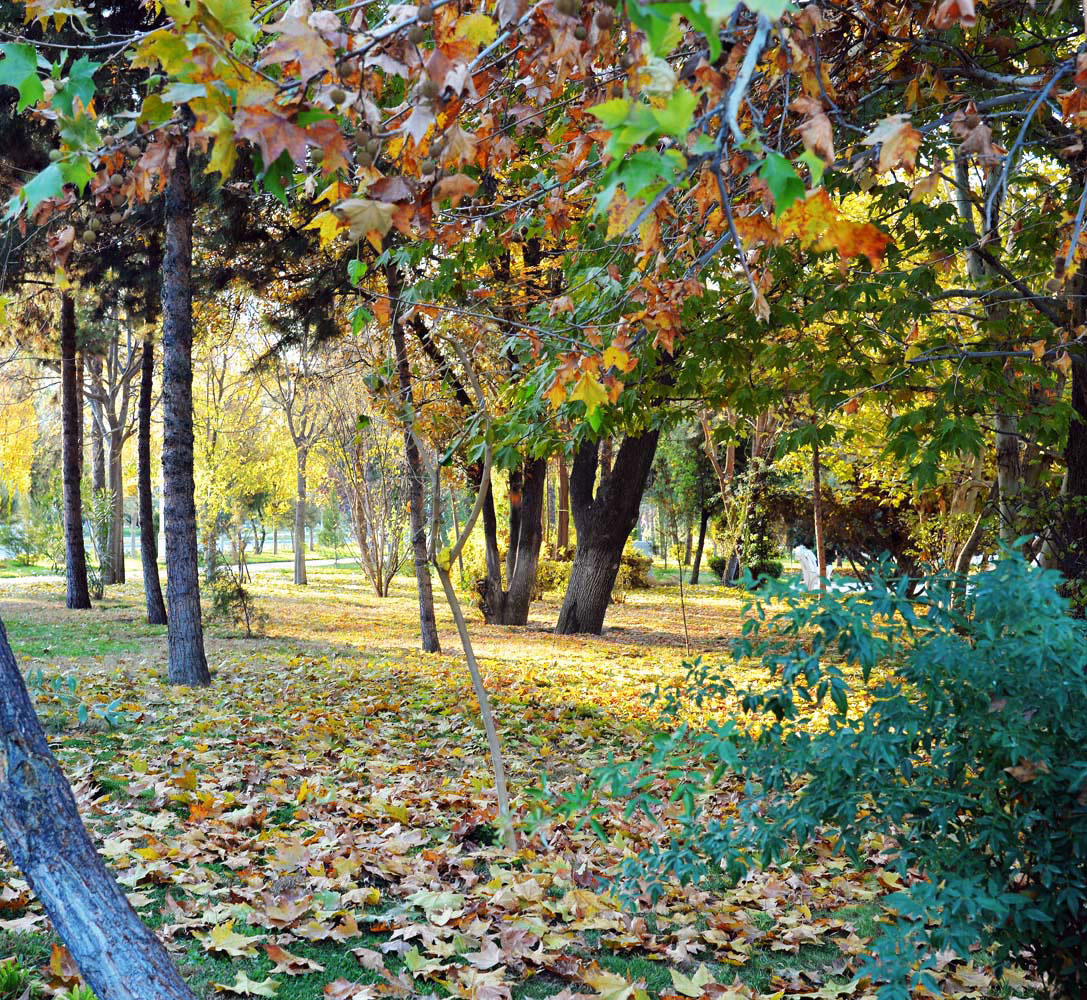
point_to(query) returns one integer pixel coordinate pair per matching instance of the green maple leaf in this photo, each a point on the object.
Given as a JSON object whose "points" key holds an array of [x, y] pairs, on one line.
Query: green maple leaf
{"points": [[19, 69]]}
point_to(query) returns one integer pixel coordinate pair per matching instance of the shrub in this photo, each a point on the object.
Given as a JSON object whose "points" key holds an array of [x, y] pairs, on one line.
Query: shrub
{"points": [[718, 566], [971, 753], [768, 567], [637, 566], [232, 600], [552, 576]]}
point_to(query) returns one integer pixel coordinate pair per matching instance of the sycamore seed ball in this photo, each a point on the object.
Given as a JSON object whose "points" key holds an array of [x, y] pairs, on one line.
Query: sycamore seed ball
{"points": [[116, 218], [116, 180], [338, 95], [417, 34], [580, 33], [425, 14]]}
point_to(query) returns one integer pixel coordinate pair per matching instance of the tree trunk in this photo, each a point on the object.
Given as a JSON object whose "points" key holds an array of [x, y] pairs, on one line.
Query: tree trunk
{"points": [[188, 664], [510, 606], [79, 385], [300, 519], [116, 954], [115, 541], [603, 523], [275, 539], [703, 523], [428, 626], [98, 472], [77, 594], [562, 533], [817, 514], [152, 590], [549, 538]]}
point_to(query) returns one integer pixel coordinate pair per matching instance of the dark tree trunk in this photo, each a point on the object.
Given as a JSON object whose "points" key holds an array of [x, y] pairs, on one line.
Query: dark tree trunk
{"points": [[188, 664], [510, 606], [117, 955], [550, 531], [79, 386], [300, 519], [1074, 531], [98, 474], [817, 514], [603, 523], [77, 593], [562, 532], [428, 626], [703, 522], [152, 590]]}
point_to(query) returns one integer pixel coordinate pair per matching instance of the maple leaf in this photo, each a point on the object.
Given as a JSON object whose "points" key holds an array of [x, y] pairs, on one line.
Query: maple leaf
{"points": [[344, 989], [41, 11], [244, 986], [898, 141], [590, 392], [224, 153], [954, 12], [476, 28], [694, 985], [454, 188], [816, 133], [817, 222], [328, 226], [272, 132], [292, 965], [298, 42], [366, 217], [223, 938]]}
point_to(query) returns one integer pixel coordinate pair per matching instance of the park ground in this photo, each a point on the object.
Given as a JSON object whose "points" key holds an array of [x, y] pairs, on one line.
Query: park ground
{"points": [[320, 821]]}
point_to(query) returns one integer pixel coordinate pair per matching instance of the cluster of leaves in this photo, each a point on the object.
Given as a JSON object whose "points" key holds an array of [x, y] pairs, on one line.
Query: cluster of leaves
{"points": [[968, 758]]}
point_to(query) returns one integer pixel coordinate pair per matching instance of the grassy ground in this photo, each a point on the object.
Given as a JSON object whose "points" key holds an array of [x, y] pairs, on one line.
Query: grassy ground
{"points": [[330, 795]]}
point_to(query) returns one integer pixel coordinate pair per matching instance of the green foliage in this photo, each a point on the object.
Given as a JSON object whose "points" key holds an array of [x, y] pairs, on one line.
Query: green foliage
{"points": [[552, 576], [15, 981], [634, 569], [718, 565], [970, 754], [233, 601], [767, 567], [58, 702]]}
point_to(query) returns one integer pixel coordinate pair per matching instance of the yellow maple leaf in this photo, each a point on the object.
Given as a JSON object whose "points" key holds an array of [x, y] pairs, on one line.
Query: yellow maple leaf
{"points": [[615, 357], [244, 986], [556, 395], [590, 392], [476, 28], [224, 153], [694, 985], [223, 938]]}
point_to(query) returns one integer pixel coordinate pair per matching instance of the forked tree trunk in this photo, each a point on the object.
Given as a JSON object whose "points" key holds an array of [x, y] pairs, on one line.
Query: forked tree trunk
{"points": [[428, 626], [117, 955], [77, 594], [510, 606], [603, 523], [188, 664], [152, 590], [300, 519]]}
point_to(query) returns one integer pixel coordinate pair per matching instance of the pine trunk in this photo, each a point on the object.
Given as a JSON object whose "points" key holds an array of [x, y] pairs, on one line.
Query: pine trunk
{"points": [[115, 541], [77, 593], [152, 589], [603, 523], [1074, 530], [703, 523], [188, 664]]}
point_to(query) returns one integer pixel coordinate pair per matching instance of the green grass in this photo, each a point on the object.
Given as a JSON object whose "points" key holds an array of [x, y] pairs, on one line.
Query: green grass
{"points": [[32, 640], [10, 568]]}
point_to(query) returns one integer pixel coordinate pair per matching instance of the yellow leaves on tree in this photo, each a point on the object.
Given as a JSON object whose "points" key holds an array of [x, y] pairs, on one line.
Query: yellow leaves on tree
{"points": [[18, 432], [366, 217], [818, 224]]}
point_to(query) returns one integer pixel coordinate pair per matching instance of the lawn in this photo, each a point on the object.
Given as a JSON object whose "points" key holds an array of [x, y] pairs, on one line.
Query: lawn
{"points": [[328, 799]]}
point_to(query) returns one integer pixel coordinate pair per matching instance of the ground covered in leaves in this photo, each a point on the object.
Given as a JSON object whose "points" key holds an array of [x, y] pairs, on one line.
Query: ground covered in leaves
{"points": [[321, 823]]}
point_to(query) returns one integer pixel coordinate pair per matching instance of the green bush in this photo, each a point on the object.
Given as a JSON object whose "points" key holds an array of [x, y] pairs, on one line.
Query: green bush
{"points": [[233, 601], [637, 569], [552, 576], [768, 567], [718, 566], [972, 753]]}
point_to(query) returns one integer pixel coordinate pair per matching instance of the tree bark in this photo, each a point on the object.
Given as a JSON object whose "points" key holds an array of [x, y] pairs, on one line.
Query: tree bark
{"points": [[562, 533], [603, 523], [510, 606], [116, 954], [703, 523], [98, 471], [77, 594], [152, 590], [428, 626], [115, 540], [187, 662], [300, 518]]}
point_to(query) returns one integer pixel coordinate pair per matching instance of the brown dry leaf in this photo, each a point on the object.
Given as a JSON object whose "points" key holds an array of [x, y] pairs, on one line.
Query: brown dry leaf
{"points": [[898, 141], [291, 965], [454, 188]]}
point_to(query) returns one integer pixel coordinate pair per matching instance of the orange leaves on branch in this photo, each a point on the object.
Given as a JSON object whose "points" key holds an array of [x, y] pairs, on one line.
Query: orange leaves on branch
{"points": [[366, 218], [270, 129], [816, 131], [299, 42], [899, 142], [976, 136], [454, 188]]}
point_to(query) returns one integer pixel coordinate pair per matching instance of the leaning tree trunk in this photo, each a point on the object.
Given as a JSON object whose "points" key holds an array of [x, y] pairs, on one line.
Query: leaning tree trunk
{"points": [[703, 523], [188, 664], [77, 594], [152, 590], [428, 625], [603, 523], [510, 606], [300, 518], [116, 954], [562, 530]]}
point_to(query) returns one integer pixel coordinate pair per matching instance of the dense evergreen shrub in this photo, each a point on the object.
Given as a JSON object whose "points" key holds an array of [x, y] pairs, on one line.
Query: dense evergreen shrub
{"points": [[960, 734]]}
